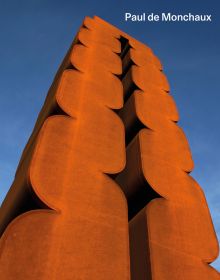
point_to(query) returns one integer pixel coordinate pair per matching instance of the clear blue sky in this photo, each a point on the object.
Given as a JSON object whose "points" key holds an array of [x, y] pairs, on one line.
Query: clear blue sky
{"points": [[35, 36]]}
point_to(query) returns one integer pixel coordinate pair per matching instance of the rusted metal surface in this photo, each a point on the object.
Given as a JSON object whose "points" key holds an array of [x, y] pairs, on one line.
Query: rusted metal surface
{"points": [[106, 144]]}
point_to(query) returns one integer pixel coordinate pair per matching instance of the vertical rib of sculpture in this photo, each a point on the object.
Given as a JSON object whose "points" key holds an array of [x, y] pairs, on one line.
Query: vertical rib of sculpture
{"points": [[79, 228], [84, 233]]}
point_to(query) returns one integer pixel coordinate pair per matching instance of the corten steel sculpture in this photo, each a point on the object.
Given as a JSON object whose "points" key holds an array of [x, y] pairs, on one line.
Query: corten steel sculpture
{"points": [[106, 147]]}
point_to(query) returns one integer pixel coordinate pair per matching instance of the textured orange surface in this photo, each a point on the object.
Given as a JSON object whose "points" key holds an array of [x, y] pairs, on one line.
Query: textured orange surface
{"points": [[106, 144]]}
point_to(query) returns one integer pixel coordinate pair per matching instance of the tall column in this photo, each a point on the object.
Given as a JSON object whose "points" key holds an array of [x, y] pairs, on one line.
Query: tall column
{"points": [[103, 190]]}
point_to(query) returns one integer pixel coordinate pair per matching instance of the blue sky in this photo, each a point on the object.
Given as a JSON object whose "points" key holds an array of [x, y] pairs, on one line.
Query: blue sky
{"points": [[35, 36]]}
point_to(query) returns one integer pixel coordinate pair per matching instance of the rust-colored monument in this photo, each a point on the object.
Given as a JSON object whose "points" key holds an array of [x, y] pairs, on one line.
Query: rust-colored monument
{"points": [[102, 190]]}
